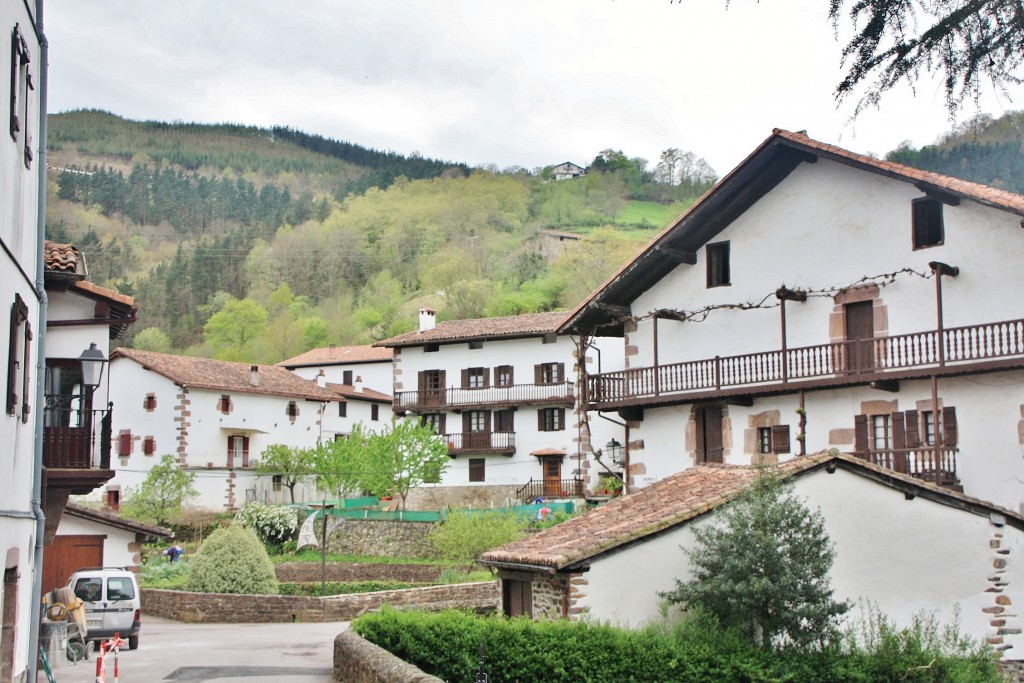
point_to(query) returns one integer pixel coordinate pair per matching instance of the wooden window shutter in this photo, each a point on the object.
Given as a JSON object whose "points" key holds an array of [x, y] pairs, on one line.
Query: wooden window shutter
{"points": [[860, 433], [540, 419], [422, 381], [441, 424], [487, 377], [465, 379], [912, 432], [559, 373], [899, 434], [780, 439], [949, 434], [538, 373], [561, 418], [346, 377], [245, 451], [149, 445], [124, 443], [466, 422]]}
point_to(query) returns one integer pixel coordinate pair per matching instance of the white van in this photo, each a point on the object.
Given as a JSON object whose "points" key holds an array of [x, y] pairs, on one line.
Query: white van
{"points": [[112, 604]]}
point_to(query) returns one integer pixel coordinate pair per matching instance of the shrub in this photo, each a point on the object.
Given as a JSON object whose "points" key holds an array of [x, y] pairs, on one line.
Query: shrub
{"points": [[466, 535], [159, 572], [232, 560], [274, 524]]}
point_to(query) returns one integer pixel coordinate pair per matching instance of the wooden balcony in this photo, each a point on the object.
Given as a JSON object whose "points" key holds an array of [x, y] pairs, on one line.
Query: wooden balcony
{"points": [[70, 437], [973, 348], [936, 465], [436, 400], [462, 443]]}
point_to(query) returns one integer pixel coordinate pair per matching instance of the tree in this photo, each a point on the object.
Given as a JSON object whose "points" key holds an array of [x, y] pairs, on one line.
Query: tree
{"points": [[404, 455], [165, 489], [340, 464], [232, 329], [294, 465], [762, 567], [152, 339], [965, 41], [464, 536]]}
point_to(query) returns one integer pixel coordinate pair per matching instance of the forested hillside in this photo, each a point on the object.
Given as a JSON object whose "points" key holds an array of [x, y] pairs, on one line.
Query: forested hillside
{"points": [[257, 244]]}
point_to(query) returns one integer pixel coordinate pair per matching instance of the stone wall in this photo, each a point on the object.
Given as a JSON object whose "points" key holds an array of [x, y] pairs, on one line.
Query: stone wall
{"points": [[250, 609], [478, 497], [381, 539], [359, 661]]}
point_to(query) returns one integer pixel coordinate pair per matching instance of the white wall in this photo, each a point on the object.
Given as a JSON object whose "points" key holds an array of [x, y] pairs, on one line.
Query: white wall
{"points": [[376, 376], [907, 556]]}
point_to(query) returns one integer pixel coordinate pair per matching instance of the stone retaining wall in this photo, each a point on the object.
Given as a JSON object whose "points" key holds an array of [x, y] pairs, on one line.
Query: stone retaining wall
{"points": [[250, 609], [310, 572], [359, 661], [381, 539]]}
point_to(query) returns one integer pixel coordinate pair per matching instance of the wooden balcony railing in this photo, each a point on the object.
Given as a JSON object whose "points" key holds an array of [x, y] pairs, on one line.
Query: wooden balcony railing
{"points": [[481, 442], [515, 394], [925, 462], [842, 361], [69, 437], [550, 488]]}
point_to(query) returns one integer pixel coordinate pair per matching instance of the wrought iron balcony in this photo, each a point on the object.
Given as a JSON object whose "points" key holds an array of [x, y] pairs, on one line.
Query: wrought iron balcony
{"points": [[503, 443], [985, 346], [69, 435], [550, 488], [430, 400]]}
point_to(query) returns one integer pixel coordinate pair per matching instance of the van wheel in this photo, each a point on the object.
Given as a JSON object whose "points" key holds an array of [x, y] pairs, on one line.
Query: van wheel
{"points": [[133, 642]]}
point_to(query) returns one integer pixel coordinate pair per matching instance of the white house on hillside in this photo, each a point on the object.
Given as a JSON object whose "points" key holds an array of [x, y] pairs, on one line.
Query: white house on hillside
{"points": [[216, 418], [501, 392], [353, 366], [567, 170], [815, 299]]}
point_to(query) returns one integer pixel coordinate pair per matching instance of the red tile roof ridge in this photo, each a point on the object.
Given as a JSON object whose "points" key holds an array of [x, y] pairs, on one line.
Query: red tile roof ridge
{"points": [[527, 324], [339, 355]]}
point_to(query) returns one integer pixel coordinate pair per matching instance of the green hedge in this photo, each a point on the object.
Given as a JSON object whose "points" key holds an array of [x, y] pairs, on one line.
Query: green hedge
{"points": [[447, 645]]}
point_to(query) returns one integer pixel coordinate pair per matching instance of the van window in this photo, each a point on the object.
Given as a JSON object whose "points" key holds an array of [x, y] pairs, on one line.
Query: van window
{"points": [[120, 588], [89, 589]]}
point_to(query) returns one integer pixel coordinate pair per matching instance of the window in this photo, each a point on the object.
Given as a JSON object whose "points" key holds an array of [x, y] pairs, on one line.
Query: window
{"points": [[928, 424], [276, 481], [19, 359], [431, 387], [549, 339], [476, 469], [477, 421], [114, 499], [503, 376], [431, 348], [346, 377], [21, 85], [149, 403], [374, 412], [292, 410], [342, 408], [551, 419], [124, 443], [476, 345], [549, 373], [718, 264], [224, 404], [238, 450], [504, 420], [764, 440], [149, 445], [120, 588], [433, 420], [475, 378], [881, 432], [927, 219]]}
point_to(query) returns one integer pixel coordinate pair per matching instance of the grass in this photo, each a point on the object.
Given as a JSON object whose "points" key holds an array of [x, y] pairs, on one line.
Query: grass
{"points": [[314, 556]]}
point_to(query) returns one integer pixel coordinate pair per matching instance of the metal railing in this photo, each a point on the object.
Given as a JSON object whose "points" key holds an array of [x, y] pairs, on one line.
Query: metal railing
{"points": [[69, 435], [937, 465], [550, 488], [515, 394], [481, 442], [841, 360]]}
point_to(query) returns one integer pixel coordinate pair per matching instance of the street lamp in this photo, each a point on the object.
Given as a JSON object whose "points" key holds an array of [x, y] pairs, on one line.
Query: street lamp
{"points": [[614, 450], [92, 360]]}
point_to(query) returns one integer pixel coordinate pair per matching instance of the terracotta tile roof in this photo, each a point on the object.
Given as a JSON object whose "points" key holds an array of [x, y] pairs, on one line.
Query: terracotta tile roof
{"points": [[349, 392], [528, 325], [681, 498], [63, 258], [116, 520], [548, 451], [338, 355], [97, 292], [218, 375]]}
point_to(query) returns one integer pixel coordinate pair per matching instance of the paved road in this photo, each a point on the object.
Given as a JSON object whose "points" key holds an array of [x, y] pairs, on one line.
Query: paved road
{"points": [[219, 653]]}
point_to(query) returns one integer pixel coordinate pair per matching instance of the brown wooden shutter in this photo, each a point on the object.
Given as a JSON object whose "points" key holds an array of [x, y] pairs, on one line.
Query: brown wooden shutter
{"points": [[245, 451], [441, 424], [780, 439], [124, 445], [422, 381], [466, 424], [899, 434], [465, 379], [949, 434], [149, 445], [559, 373], [860, 433], [487, 377], [912, 431], [538, 374], [540, 419]]}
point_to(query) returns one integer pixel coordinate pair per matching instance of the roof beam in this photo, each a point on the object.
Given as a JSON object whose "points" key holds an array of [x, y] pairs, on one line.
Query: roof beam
{"points": [[678, 255]]}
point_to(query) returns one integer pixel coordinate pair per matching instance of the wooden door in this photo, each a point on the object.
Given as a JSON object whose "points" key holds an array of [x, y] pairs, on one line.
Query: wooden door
{"points": [[709, 434], [552, 476], [517, 598], [860, 332], [67, 554]]}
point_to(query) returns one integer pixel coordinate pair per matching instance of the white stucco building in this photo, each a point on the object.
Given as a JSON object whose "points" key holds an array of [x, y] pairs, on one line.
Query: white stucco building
{"points": [[906, 545], [820, 299], [217, 417], [354, 366], [502, 394]]}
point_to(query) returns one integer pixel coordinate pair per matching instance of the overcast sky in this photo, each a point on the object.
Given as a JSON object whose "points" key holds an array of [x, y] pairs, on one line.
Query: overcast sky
{"points": [[505, 82]]}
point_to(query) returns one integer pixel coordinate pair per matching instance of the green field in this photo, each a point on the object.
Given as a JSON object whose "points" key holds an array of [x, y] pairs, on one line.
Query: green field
{"points": [[652, 214]]}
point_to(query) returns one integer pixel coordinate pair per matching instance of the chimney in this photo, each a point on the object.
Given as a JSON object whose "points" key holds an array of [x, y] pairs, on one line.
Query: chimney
{"points": [[428, 318], [359, 384], [321, 380], [254, 375]]}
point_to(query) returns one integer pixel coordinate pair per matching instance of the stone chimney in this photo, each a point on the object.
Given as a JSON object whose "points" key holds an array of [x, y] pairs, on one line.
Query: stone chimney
{"points": [[358, 386], [321, 379], [254, 375], [428, 318]]}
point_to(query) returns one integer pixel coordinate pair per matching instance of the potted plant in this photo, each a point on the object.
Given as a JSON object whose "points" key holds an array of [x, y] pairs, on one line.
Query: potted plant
{"points": [[609, 485]]}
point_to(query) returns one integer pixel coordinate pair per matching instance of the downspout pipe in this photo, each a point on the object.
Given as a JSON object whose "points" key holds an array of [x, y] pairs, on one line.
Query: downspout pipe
{"points": [[40, 400]]}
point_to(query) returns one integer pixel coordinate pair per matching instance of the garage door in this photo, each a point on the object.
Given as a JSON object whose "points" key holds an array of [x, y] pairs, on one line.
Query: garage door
{"points": [[68, 553]]}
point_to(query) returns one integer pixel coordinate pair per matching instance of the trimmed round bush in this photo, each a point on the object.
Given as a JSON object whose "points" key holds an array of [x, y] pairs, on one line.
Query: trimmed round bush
{"points": [[232, 560]]}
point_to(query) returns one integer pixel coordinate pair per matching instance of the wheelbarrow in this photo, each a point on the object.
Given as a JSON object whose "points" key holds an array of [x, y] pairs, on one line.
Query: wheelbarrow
{"points": [[62, 604]]}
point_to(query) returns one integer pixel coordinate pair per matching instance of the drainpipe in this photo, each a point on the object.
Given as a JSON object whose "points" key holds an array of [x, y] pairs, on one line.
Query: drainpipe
{"points": [[40, 402]]}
